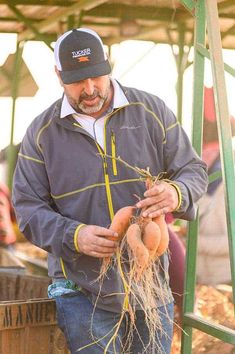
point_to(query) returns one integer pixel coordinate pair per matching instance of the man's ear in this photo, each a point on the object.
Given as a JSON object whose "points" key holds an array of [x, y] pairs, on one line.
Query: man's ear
{"points": [[58, 75]]}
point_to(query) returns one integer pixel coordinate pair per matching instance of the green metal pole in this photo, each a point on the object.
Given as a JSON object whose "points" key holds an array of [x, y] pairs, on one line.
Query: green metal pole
{"points": [[11, 153], [191, 251], [70, 22], [189, 4], [180, 74], [181, 60], [224, 127]]}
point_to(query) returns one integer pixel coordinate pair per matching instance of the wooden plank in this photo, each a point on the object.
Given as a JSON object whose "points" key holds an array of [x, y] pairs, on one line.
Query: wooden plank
{"points": [[12, 341], [22, 286], [30, 327], [8, 260], [21, 314]]}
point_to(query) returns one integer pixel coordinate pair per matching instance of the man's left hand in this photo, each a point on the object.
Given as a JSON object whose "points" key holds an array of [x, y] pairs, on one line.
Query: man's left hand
{"points": [[160, 199]]}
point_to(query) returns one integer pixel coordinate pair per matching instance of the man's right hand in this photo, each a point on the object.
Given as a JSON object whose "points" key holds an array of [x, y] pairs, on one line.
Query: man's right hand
{"points": [[93, 241]]}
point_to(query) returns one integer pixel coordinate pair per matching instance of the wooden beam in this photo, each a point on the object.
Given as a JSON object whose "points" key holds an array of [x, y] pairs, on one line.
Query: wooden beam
{"points": [[138, 12], [40, 3], [146, 34], [22, 18], [229, 32], [225, 5], [57, 16]]}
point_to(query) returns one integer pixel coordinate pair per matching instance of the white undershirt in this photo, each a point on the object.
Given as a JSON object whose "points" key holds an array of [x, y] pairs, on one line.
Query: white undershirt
{"points": [[95, 126]]}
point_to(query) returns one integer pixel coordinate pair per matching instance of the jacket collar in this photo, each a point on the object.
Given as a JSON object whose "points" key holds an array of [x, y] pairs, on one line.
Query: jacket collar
{"points": [[119, 99]]}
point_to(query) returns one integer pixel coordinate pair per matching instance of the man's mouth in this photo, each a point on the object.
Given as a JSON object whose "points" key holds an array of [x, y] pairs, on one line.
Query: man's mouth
{"points": [[89, 101]]}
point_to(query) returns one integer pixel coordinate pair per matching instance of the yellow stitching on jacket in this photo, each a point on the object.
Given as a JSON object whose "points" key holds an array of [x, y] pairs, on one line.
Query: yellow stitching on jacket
{"points": [[128, 180], [30, 158], [40, 132], [117, 110], [63, 267], [75, 237], [77, 190], [59, 196], [172, 126]]}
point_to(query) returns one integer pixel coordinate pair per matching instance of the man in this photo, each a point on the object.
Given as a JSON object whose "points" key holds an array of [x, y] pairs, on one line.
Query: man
{"points": [[69, 183], [7, 218]]}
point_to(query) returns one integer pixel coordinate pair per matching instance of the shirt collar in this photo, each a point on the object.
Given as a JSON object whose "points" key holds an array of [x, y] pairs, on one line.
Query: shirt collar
{"points": [[119, 99]]}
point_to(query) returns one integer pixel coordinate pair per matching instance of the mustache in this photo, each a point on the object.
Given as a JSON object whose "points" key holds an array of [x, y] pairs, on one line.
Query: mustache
{"points": [[95, 94]]}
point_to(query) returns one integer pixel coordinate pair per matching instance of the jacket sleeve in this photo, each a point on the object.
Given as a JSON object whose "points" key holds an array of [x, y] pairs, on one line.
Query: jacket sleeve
{"points": [[184, 167], [36, 213]]}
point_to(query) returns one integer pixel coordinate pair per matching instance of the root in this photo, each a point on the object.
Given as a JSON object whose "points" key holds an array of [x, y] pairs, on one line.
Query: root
{"points": [[142, 288], [106, 264], [140, 294]]}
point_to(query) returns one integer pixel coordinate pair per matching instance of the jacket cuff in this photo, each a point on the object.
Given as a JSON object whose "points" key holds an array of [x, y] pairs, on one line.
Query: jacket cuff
{"points": [[177, 188], [187, 209], [75, 241]]}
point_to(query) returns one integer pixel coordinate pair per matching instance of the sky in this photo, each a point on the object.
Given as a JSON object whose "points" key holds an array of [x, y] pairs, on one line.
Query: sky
{"points": [[141, 64]]}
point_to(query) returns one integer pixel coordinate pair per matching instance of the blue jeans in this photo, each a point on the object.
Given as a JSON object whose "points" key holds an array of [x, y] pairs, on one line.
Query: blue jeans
{"points": [[88, 331]]}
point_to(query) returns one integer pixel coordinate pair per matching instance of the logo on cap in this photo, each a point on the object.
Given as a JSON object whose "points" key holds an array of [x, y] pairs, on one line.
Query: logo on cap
{"points": [[82, 55], [83, 59]]}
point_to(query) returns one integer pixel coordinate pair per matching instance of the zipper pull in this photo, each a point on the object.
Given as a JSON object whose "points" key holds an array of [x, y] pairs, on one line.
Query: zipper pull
{"points": [[113, 152]]}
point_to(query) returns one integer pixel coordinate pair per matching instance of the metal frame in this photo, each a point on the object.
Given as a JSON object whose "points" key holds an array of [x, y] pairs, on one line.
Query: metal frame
{"points": [[206, 14], [11, 153]]}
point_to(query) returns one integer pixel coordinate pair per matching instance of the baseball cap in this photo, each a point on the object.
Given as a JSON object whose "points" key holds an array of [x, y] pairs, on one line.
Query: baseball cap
{"points": [[79, 54]]}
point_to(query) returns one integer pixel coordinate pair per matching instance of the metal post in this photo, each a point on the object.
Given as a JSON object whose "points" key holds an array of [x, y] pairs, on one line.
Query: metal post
{"points": [[11, 158], [224, 127], [191, 253], [180, 72]]}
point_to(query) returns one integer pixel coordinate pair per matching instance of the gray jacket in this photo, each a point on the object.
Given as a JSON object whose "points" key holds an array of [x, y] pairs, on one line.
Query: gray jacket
{"points": [[64, 178]]}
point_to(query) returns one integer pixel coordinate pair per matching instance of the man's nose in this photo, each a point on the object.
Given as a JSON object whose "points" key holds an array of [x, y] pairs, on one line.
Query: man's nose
{"points": [[89, 86]]}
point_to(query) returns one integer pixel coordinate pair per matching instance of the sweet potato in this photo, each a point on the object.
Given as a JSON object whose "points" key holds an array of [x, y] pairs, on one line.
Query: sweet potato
{"points": [[121, 221], [140, 252], [164, 241], [151, 238]]}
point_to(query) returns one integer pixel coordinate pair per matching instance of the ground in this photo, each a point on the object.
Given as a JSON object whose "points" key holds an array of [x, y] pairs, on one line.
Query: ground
{"points": [[214, 304]]}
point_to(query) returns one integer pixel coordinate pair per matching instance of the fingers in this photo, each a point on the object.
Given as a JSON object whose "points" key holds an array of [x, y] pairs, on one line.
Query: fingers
{"points": [[92, 241], [162, 198], [157, 189], [102, 242], [100, 252], [102, 231], [156, 210]]}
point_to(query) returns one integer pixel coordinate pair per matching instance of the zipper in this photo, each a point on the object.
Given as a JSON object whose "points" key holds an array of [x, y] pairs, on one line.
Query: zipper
{"points": [[106, 180], [113, 153], [103, 154], [77, 125]]}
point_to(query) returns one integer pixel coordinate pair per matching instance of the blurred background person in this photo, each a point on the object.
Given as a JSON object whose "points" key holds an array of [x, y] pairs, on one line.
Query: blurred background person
{"points": [[213, 263], [7, 218]]}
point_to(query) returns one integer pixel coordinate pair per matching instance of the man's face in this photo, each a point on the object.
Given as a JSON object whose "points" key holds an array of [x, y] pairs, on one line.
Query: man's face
{"points": [[91, 96]]}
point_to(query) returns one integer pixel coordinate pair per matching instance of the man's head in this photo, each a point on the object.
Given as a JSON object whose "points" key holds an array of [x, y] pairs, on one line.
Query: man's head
{"points": [[79, 55], [82, 67]]}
